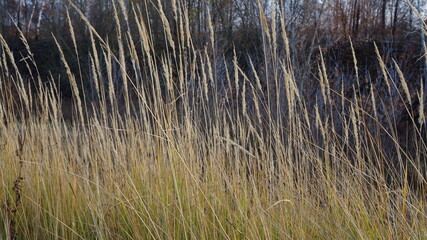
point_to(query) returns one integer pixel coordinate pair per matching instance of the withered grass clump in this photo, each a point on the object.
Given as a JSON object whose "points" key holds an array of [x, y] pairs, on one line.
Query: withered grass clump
{"points": [[187, 144]]}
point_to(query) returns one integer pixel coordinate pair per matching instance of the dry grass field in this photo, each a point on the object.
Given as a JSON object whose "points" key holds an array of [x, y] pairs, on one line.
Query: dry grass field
{"points": [[168, 147]]}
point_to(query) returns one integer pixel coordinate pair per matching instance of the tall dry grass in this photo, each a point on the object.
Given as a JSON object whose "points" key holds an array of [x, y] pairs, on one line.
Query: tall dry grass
{"points": [[170, 147]]}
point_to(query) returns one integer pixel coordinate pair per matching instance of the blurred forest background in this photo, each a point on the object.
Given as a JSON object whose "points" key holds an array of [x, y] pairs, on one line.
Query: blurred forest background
{"points": [[246, 33], [392, 24]]}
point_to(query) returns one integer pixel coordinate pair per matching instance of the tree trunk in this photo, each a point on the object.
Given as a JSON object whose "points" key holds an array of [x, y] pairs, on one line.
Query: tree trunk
{"points": [[411, 15], [2, 7], [18, 18], [396, 7], [39, 19], [383, 15]]}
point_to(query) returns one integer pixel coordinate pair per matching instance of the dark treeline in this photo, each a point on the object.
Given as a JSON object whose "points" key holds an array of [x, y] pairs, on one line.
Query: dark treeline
{"points": [[237, 23], [239, 27], [307, 20]]}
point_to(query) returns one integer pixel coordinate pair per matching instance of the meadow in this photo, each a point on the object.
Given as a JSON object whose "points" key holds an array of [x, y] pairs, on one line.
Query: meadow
{"points": [[186, 144]]}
